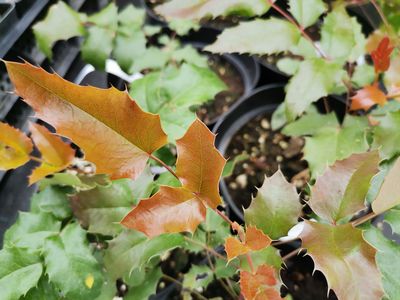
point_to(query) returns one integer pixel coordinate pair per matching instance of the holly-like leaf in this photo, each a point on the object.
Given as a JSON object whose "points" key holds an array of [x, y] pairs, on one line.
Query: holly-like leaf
{"points": [[343, 256], [199, 167], [171, 93], [255, 239], [15, 147], [389, 192], [387, 134], [44, 290], [102, 208], [245, 38], [381, 55], [340, 192], [61, 23], [367, 97], [341, 36], [332, 143], [132, 250], [31, 230], [276, 208], [146, 288], [307, 12], [315, 78], [20, 271], [198, 277], [79, 182], [260, 285], [387, 259], [69, 253], [56, 154], [198, 9], [53, 200], [118, 146], [392, 217], [363, 75]]}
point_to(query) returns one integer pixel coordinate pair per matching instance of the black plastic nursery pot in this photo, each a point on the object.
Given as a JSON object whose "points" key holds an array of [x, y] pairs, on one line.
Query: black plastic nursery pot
{"points": [[8, 17], [246, 128]]}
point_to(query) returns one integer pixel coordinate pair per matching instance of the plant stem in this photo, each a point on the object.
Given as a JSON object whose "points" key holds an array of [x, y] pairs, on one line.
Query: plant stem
{"points": [[301, 29], [164, 165], [169, 278], [380, 12], [205, 247], [363, 219]]}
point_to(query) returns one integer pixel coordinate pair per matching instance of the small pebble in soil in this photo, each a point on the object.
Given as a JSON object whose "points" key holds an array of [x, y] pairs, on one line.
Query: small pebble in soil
{"points": [[242, 180], [161, 285], [265, 124], [122, 288]]}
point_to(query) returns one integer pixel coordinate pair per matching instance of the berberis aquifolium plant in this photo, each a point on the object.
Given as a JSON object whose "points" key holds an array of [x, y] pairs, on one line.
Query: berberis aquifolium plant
{"points": [[123, 231]]}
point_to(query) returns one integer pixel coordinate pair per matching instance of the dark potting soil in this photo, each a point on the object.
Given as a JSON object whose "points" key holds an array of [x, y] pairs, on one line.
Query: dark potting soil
{"points": [[211, 110], [267, 150]]}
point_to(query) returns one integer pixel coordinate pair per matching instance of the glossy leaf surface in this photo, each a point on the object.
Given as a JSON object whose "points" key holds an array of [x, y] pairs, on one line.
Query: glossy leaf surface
{"points": [[367, 97]]}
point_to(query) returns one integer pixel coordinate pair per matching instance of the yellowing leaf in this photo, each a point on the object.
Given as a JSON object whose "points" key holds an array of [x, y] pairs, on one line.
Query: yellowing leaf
{"points": [[56, 155], [341, 190], [255, 240], [108, 125], [200, 165], [389, 193], [89, 281], [345, 259], [15, 147], [367, 97], [260, 285], [199, 168]]}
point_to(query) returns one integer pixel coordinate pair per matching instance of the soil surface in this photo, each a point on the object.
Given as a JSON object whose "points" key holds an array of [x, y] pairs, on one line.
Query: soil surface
{"points": [[267, 151], [211, 110]]}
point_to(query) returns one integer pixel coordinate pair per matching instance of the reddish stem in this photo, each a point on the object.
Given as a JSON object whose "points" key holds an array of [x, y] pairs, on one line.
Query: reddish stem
{"points": [[363, 219], [379, 10], [164, 165]]}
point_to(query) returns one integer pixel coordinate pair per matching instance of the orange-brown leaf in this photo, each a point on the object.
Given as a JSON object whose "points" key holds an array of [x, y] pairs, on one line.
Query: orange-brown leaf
{"points": [[381, 55], [234, 248], [56, 155], [367, 97], [108, 125], [15, 147], [345, 259], [199, 165], [261, 285], [256, 239], [169, 210]]}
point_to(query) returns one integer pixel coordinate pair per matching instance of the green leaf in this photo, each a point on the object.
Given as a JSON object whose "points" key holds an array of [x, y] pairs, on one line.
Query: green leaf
{"points": [[390, 106], [279, 117], [70, 264], [341, 36], [389, 192], [345, 259], [267, 256], [315, 79], [166, 178], [147, 287], [363, 75], [278, 36], [132, 250], [388, 261], [307, 12], [78, 182], [288, 65], [190, 55], [172, 92], [132, 17], [332, 143], [276, 207], [129, 47], [153, 58], [182, 26], [31, 230], [20, 271], [198, 9], [43, 291], [102, 208], [98, 44], [387, 134], [340, 192], [198, 277], [60, 23], [392, 217], [53, 200], [231, 164]]}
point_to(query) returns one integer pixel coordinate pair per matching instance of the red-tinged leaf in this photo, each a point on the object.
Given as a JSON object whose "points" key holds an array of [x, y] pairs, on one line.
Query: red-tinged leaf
{"points": [[389, 193], [199, 168], [367, 97], [261, 285], [169, 210], [255, 240], [15, 147], [234, 248], [345, 259], [108, 125], [199, 165], [381, 55], [340, 192], [56, 155]]}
